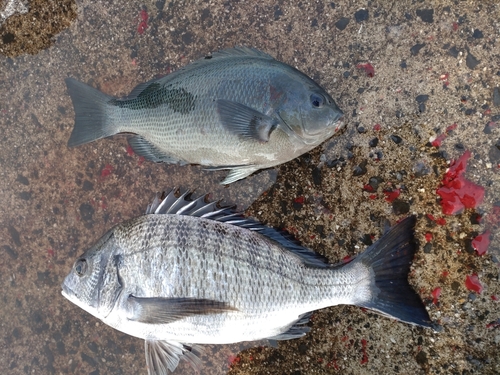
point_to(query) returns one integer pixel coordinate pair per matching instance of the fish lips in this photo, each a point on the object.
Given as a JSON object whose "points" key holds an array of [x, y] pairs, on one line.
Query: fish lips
{"points": [[322, 134]]}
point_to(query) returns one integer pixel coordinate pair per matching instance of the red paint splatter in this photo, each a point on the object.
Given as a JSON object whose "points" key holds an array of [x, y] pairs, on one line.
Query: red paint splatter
{"points": [[455, 26], [436, 293], [439, 140], [495, 298], [299, 200], [368, 188], [481, 243], [392, 195], [494, 324], [451, 128], [143, 24], [368, 68], [441, 221], [233, 360], [140, 160], [445, 274], [333, 363], [428, 237], [50, 253], [377, 127], [130, 150], [472, 283], [456, 191], [107, 170], [441, 137], [372, 196], [363, 348]]}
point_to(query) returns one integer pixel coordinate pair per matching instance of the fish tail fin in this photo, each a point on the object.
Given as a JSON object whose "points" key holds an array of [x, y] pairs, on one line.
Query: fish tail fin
{"points": [[91, 118], [388, 263]]}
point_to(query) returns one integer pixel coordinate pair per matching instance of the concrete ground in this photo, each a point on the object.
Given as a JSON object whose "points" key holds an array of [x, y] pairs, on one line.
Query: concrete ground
{"points": [[435, 64]]}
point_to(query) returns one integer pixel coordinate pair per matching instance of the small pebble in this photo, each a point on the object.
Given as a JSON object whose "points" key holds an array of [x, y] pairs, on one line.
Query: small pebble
{"points": [[428, 248], [375, 182], [496, 97], [478, 34], [373, 142], [396, 139], [400, 207], [361, 15], [453, 51], [347, 74], [422, 98], [402, 64], [472, 297], [471, 61], [342, 23], [416, 49], [360, 169], [426, 15]]}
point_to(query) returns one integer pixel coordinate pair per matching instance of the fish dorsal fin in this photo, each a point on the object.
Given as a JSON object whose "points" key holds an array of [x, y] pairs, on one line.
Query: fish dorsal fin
{"points": [[164, 356], [157, 83], [199, 207], [143, 88]]}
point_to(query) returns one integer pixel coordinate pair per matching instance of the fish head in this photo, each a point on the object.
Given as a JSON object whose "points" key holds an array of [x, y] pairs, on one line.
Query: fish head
{"points": [[310, 113], [94, 283]]}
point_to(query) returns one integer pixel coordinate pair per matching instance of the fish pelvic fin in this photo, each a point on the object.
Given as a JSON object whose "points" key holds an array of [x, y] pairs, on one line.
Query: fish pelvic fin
{"points": [[91, 117], [388, 263], [164, 356]]}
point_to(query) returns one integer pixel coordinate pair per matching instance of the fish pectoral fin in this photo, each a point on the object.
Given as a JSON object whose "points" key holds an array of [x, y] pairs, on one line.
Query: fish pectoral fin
{"points": [[245, 121], [143, 147], [164, 356], [238, 173], [168, 310]]}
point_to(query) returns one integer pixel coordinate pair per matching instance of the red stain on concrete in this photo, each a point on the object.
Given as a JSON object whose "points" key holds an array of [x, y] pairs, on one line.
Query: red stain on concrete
{"points": [[456, 192]]}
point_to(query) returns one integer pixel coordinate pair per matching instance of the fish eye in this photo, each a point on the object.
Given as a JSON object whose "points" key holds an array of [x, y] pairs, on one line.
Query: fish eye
{"points": [[317, 100], [81, 267]]}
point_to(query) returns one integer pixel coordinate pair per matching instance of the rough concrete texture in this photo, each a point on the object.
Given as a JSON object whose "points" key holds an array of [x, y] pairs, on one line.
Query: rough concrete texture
{"points": [[58, 201]]}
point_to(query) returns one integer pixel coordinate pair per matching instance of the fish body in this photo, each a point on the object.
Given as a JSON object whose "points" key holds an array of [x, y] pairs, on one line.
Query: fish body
{"points": [[239, 109], [188, 273]]}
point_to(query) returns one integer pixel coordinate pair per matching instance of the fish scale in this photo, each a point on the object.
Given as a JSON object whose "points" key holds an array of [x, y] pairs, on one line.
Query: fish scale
{"points": [[190, 273]]}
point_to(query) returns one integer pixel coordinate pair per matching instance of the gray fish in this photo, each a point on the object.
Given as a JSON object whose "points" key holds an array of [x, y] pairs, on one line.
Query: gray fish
{"points": [[238, 109], [190, 273]]}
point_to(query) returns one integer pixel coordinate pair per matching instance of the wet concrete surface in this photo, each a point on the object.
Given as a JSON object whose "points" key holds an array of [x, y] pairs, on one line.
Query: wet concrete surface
{"points": [[435, 64]]}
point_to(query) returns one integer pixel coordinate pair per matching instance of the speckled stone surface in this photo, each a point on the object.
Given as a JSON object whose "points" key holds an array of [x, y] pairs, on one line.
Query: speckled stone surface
{"points": [[435, 64]]}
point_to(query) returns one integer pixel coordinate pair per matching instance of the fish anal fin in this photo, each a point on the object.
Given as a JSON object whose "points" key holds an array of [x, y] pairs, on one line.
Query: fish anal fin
{"points": [[168, 310], [238, 173], [245, 121], [296, 330], [164, 356]]}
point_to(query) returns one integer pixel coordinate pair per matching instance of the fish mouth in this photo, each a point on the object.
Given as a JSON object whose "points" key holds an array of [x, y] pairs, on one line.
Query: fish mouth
{"points": [[66, 291], [312, 137]]}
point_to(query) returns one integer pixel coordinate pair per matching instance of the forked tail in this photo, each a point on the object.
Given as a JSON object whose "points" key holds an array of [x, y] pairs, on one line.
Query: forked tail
{"points": [[388, 262], [91, 119]]}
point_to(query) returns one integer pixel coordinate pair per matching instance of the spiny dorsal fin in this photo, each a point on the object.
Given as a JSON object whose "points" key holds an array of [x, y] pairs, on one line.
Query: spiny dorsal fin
{"points": [[199, 207]]}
